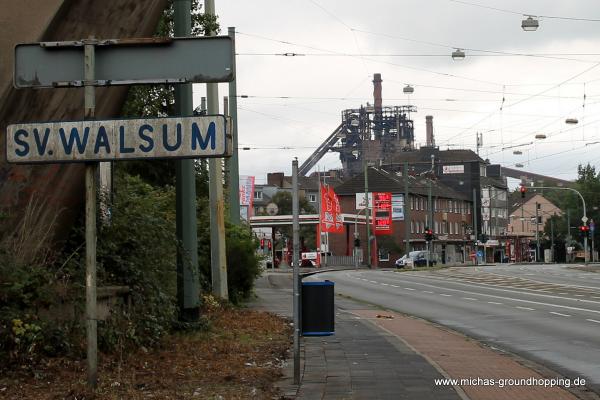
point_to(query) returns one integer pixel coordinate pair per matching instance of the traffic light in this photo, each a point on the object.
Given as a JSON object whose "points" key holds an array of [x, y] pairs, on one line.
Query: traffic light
{"points": [[356, 242], [269, 244], [523, 190], [483, 238], [262, 243], [584, 231], [428, 234]]}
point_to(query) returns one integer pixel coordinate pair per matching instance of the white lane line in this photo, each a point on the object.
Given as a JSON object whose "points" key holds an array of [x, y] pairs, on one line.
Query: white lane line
{"points": [[593, 320], [578, 295], [491, 287], [428, 285], [561, 314], [494, 302], [427, 291], [384, 284], [525, 308], [372, 281], [446, 295], [409, 288], [395, 286], [469, 298]]}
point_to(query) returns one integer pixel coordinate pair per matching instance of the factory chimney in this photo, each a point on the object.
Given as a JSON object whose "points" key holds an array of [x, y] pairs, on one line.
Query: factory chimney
{"points": [[377, 92], [429, 131]]}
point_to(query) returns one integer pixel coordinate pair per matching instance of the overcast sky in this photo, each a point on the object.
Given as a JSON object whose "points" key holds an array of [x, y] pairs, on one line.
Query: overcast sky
{"points": [[296, 102]]}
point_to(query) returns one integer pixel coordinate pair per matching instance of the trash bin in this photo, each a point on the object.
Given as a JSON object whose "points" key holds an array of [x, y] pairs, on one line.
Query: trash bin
{"points": [[318, 314]]}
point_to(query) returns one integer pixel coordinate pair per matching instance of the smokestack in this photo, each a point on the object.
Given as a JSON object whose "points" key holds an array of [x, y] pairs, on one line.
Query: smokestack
{"points": [[377, 92], [429, 131]]}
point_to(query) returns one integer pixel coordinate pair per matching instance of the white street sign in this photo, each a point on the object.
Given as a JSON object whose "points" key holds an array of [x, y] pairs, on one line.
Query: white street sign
{"points": [[584, 219], [82, 141]]}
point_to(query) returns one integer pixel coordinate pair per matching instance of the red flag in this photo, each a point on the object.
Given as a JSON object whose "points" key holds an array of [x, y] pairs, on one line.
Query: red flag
{"points": [[337, 215], [327, 211]]}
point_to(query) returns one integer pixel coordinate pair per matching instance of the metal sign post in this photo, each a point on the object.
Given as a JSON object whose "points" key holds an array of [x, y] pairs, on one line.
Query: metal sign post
{"points": [[91, 315], [296, 266], [106, 63]]}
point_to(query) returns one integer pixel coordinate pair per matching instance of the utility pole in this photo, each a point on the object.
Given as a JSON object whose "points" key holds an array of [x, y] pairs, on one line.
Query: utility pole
{"points": [[188, 291], [218, 258], [234, 168], [368, 225], [552, 238], [537, 233], [430, 222], [91, 181], [296, 267], [568, 241], [406, 208], [475, 224]]}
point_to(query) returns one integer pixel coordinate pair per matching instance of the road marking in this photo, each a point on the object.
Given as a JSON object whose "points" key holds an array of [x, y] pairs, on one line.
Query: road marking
{"points": [[525, 308], [469, 298], [427, 291], [511, 298], [561, 314], [384, 284], [579, 295], [494, 302], [372, 281], [395, 286], [409, 288], [593, 320], [492, 287]]}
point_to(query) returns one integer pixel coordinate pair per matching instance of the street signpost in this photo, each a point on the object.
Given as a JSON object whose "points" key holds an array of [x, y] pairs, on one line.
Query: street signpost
{"points": [[125, 62], [91, 62], [149, 138]]}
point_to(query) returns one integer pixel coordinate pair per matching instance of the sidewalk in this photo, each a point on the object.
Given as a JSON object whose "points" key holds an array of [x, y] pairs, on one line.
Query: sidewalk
{"points": [[378, 354], [360, 361]]}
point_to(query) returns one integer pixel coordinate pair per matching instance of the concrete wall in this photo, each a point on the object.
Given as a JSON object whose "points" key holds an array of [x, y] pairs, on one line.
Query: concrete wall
{"points": [[60, 186]]}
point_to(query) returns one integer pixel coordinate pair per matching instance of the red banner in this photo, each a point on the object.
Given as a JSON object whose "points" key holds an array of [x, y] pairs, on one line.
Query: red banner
{"points": [[331, 216], [382, 213]]}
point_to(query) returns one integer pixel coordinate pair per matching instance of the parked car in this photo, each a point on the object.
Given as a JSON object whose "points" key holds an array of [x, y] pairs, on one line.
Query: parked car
{"points": [[416, 258], [402, 261]]}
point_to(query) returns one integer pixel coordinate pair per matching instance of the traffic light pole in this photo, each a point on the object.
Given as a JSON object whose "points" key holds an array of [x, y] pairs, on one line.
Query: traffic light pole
{"points": [[584, 219], [537, 233]]}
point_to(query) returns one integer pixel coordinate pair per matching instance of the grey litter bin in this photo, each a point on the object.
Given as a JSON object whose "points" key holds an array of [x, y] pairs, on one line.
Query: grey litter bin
{"points": [[318, 313]]}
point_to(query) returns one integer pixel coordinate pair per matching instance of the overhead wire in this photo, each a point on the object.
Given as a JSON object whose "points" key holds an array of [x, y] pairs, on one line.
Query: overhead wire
{"points": [[522, 13]]}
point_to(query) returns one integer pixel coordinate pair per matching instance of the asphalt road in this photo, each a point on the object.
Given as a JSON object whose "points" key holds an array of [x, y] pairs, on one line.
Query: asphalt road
{"points": [[546, 313]]}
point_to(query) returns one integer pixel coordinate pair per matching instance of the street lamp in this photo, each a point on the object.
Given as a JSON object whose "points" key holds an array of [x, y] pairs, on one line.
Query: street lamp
{"points": [[458, 55], [408, 89], [530, 24]]}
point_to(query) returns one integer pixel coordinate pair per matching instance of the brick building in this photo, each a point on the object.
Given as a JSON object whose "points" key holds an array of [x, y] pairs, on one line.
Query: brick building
{"points": [[452, 218]]}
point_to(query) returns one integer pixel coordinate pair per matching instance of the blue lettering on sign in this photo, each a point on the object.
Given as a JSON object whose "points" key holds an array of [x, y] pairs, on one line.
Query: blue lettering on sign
{"points": [[166, 144], [203, 142], [74, 137], [148, 139], [102, 141], [122, 147], [41, 145], [25, 150]]}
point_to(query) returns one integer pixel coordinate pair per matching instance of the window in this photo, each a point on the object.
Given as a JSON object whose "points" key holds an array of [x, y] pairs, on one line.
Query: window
{"points": [[437, 227], [384, 255], [412, 227], [451, 230], [412, 203], [258, 195], [312, 198], [456, 231], [422, 227]]}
